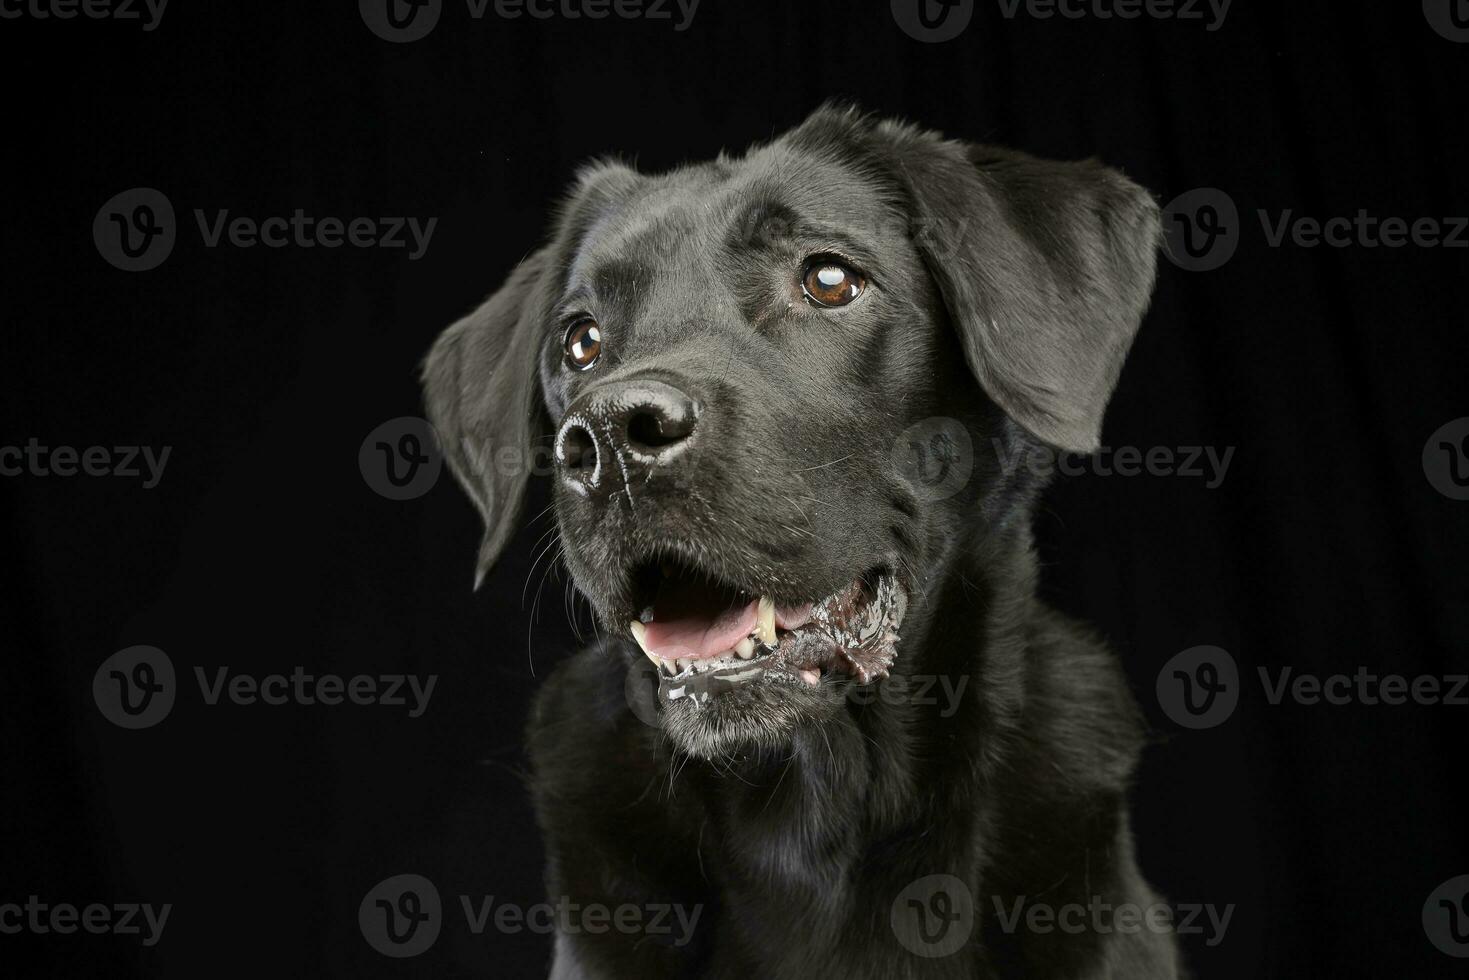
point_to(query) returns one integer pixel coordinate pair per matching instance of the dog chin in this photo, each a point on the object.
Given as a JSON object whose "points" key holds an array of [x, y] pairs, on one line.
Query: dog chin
{"points": [[762, 716], [793, 669]]}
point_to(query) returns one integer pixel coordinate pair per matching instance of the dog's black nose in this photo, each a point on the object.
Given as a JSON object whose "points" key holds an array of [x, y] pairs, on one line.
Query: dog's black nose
{"points": [[621, 429]]}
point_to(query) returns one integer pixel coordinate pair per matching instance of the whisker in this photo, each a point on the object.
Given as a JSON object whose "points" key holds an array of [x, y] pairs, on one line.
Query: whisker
{"points": [[537, 559], [822, 466]]}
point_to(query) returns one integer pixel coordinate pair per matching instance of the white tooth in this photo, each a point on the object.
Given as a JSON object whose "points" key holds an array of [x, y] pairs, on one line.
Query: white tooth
{"points": [[745, 649], [639, 632], [668, 667], [684, 663], [765, 621]]}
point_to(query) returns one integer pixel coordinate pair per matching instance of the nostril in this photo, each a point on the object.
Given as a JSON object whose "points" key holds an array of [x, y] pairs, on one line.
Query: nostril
{"points": [[578, 450], [650, 429]]}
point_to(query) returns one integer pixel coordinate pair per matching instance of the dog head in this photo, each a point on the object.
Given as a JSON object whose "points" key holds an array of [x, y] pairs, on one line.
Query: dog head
{"points": [[773, 386]]}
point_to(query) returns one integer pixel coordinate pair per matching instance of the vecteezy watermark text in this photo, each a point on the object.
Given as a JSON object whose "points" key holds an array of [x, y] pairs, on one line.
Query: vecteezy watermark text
{"points": [[1364, 687], [64, 918], [402, 916], [1211, 463], [387, 690], [34, 459], [936, 21], [304, 231], [674, 921], [402, 21], [1364, 231], [1201, 687], [150, 12], [137, 687], [1120, 10], [1204, 229], [136, 230], [940, 691], [943, 692], [654, 10], [1104, 918]]}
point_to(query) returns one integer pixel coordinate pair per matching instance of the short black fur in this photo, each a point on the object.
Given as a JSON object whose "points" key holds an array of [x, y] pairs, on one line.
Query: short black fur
{"points": [[1003, 295]]}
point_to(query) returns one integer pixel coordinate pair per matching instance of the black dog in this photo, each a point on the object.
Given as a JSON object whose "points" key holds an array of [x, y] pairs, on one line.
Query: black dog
{"points": [[788, 393]]}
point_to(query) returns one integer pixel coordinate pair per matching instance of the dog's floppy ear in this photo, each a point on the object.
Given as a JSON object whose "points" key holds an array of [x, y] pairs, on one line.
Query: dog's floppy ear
{"points": [[1046, 270], [482, 379], [482, 392]]}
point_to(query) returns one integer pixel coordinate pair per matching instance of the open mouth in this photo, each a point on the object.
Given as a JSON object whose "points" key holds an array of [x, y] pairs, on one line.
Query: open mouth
{"points": [[707, 637]]}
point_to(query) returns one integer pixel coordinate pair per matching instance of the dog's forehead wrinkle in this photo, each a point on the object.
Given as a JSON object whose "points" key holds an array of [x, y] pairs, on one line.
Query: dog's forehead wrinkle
{"points": [[629, 228], [621, 279], [583, 252], [684, 220], [819, 183]]}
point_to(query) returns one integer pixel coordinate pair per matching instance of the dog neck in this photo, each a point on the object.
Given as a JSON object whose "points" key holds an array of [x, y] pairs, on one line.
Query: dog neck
{"points": [[902, 752]]}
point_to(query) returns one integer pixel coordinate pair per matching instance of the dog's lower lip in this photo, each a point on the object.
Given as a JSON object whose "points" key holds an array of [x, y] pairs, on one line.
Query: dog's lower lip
{"points": [[852, 631]]}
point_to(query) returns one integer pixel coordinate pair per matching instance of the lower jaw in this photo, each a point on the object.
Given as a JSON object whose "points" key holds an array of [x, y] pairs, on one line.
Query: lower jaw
{"points": [[853, 633], [699, 686]]}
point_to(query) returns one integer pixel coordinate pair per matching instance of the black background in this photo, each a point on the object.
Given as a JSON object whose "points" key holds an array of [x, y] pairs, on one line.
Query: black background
{"points": [[1327, 369]]}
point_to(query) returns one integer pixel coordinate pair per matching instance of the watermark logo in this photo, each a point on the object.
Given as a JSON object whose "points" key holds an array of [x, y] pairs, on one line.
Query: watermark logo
{"points": [[640, 687], [1202, 229], [401, 21], [936, 457], [401, 916], [400, 459], [135, 688], [933, 21], [1199, 688], [1446, 459], [1449, 18], [934, 916], [135, 230], [1446, 917]]}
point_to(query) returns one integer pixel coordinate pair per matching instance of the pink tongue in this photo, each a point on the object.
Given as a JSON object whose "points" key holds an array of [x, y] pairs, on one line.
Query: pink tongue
{"points": [[692, 620]]}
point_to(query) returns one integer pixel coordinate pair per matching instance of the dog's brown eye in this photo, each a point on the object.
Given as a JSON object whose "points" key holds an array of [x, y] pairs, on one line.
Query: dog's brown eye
{"points": [[829, 283], [583, 344]]}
